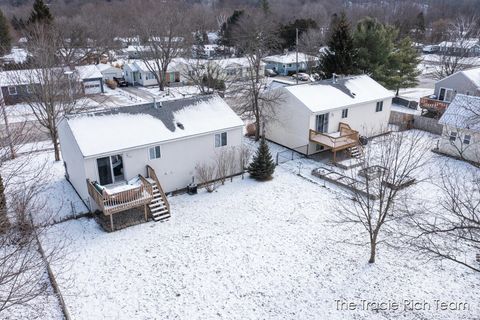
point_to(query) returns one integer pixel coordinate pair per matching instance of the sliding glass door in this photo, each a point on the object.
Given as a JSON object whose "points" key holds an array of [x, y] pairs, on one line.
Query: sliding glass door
{"points": [[321, 124], [110, 169]]}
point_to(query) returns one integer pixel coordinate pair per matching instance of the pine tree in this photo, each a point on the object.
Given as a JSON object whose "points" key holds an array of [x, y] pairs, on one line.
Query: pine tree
{"points": [[265, 6], [262, 166], [374, 43], [40, 13], [339, 58], [5, 38], [4, 223], [420, 27], [402, 69], [228, 26]]}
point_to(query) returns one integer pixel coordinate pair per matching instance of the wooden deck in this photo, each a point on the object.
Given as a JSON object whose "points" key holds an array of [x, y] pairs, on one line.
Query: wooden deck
{"points": [[127, 197], [110, 203], [344, 138], [433, 105]]}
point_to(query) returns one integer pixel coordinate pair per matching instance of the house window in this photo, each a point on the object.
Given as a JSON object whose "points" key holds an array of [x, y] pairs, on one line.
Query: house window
{"points": [[220, 139], [344, 113], [231, 72], [154, 152], [29, 89], [12, 90], [379, 106], [453, 136], [466, 139]]}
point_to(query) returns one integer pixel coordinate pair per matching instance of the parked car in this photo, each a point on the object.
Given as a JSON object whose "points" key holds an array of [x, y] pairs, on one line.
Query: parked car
{"points": [[430, 49], [270, 73], [121, 82], [301, 76]]}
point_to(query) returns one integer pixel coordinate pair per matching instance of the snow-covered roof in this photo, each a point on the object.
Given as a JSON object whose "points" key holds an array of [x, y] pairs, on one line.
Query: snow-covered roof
{"points": [[290, 57], [17, 55], [466, 44], [144, 125], [326, 95], [140, 65], [463, 112], [105, 66], [88, 72]]}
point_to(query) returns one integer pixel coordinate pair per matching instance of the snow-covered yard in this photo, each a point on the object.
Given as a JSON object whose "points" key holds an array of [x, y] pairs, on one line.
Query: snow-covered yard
{"points": [[253, 250]]}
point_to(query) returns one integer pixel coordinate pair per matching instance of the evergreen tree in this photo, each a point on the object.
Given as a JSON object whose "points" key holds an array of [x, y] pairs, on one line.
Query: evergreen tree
{"points": [[374, 43], [40, 13], [340, 56], [265, 6], [228, 26], [420, 27], [5, 38], [262, 166], [4, 223], [402, 69], [288, 32]]}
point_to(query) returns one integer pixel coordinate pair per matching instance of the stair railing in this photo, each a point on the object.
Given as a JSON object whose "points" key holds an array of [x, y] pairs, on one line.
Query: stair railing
{"points": [[152, 175]]}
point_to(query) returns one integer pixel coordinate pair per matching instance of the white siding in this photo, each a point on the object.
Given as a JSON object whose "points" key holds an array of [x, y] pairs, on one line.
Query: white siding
{"points": [[362, 118], [73, 158], [458, 148], [176, 167], [291, 125]]}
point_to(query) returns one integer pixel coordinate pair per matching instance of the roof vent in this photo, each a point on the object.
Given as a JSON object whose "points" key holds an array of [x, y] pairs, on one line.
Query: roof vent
{"points": [[180, 125]]}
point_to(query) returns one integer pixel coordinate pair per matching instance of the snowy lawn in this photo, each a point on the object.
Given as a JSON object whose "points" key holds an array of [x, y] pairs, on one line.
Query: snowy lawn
{"points": [[252, 250]]}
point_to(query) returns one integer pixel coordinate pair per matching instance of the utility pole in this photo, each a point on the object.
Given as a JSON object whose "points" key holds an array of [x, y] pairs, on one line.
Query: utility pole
{"points": [[296, 52]]}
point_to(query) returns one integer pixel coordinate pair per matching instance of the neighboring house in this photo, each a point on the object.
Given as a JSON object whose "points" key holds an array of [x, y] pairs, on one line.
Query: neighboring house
{"points": [[16, 55], [329, 114], [286, 64], [465, 48], [109, 72], [92, 79], [15, 86], [106, 153], [236, 68], [138, 73], [461, 128], [463, 82]]}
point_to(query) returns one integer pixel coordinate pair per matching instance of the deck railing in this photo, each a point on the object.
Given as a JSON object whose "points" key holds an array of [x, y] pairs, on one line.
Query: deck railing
{"points": [[433, 104], [347, 137], [111, 203], [152, 175]]}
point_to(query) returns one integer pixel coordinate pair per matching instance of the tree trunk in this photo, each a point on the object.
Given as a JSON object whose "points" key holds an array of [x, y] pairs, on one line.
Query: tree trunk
{"points": [[8, 132], [373, 249], [396, 94], [56, 146], [257, 127]]}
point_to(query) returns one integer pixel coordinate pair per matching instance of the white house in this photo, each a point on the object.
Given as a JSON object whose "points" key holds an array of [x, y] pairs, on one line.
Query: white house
{"points": [[461, 128], [329, 114], [109, 72], [138, 72], [91, 78], [107, 154], [236, 68], [286, 64]]}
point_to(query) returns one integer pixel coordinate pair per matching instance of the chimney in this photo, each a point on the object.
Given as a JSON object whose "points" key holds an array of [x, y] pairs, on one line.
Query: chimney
{"points": [[334, 78]]}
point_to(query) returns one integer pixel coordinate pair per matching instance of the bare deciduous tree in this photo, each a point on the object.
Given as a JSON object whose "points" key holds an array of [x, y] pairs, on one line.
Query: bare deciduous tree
{"points": [[206, 174], [225, 160], [207, 75], [50, 90], [22, 266], [455, 54], [451, 230], [164, 35], [255, 36], [379, 202]]}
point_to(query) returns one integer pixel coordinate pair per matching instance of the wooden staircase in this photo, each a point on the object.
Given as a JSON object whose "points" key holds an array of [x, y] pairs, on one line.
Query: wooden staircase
{"points": [[159, 206], [355, 152]]}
